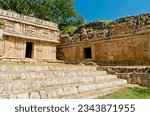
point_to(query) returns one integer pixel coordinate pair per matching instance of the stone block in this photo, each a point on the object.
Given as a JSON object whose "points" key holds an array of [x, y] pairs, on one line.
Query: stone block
{"points": [[44, 94], [13, 96], [84, 88], [39, 68], [4, 97], [129, 80], [70, 90], [23, 96], [45, 68], [60, 92], [35, 95], [3, 68], [139, 80], [134, 79], [52, 93]]}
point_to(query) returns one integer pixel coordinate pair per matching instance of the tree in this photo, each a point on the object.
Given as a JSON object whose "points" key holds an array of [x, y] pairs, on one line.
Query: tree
{"points": [[61, 12]]}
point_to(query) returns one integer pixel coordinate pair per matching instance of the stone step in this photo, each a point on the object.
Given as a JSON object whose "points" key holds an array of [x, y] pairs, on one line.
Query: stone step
{"points": [[23, 82], [60, 91], [11, 68], [94, 94], [26, 84], [48, 74]]}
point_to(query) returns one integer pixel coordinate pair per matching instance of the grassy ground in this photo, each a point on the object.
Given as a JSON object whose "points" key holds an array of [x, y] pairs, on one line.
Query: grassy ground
{"points": [[130, 93]]}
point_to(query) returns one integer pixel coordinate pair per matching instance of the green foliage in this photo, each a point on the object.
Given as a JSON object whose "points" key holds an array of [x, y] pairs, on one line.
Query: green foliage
{"points": [[144, 17], [61, 12], [107, 22]]}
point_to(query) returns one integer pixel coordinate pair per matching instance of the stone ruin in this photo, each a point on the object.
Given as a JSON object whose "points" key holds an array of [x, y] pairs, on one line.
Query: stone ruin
{"points": [[24, 38], [125, 41]]}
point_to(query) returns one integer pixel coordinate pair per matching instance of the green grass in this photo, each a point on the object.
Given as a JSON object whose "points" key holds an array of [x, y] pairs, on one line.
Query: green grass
{"points": [[130, 93]]}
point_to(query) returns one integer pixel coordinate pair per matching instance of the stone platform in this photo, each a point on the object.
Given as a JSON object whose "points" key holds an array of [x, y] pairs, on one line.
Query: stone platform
{"points": [[60, 81], [133, 74]]}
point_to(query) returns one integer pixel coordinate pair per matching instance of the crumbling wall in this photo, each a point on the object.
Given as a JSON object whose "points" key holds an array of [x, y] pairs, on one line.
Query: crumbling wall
{"points": [[133, 75], [125, 41]]}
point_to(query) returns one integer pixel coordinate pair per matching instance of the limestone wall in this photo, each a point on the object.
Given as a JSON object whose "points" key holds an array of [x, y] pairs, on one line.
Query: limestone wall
{"points": [[126, 49], [134, 75], [55, 81], [134, 50], [121, 43], [17, 30], [15, 48], [28, 27]]}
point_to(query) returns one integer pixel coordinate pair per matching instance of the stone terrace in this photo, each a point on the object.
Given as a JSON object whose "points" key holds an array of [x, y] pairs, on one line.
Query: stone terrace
{"points": [[56, 81], [133, 74]]}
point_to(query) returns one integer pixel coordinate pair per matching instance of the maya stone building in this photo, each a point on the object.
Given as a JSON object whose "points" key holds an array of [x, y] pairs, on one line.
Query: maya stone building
{"points": [[125, 41], [23, 37]]}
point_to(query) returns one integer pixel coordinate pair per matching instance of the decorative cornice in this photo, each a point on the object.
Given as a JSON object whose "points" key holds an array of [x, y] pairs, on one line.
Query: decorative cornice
{"points": [[9, 15]]}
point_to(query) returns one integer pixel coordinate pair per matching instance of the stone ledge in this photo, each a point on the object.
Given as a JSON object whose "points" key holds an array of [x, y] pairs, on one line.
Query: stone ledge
{"points": [[134, 75], [26, 19], [36, 38]]}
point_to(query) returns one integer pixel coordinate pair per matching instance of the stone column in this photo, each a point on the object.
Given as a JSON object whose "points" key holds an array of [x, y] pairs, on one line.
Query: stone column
{"points": [[1, 40]]}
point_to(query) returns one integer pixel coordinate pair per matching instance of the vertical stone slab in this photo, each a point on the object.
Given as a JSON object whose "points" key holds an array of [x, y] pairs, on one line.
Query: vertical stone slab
{"points": [[1, 38], [54, 53], [93, 52]]}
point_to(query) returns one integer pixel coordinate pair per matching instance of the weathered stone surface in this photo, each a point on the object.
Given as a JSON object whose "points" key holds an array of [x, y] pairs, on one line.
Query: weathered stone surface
{"points": [[123, 42], [87, 87], [13, 96], [139, 80], [18, 33], [70, 90], [4, 97], [1, 40], [23, 96], [44, 94], [42, 83], [134, 75], [35, 95], [52, 93], [134, 79]]}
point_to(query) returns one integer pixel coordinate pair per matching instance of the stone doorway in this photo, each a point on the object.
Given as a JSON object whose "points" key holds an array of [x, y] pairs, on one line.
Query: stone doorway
{"points": [[29, 50], [87, 53]]}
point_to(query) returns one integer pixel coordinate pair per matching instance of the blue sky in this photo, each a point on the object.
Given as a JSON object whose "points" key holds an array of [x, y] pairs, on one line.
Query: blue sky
{"points": [[110, 9]]}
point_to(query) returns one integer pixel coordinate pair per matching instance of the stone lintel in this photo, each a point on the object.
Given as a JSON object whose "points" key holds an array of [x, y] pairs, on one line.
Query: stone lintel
{"points": [[30, 37]]}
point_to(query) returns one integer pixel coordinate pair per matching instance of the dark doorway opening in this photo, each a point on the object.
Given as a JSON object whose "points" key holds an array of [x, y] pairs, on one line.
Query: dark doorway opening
{"points": [[29, 46], [87, 53]]}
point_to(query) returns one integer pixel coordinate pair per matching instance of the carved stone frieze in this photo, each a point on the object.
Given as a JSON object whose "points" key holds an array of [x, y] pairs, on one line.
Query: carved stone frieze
{"points": [[8, 26], [30, 30], [23, 37]]}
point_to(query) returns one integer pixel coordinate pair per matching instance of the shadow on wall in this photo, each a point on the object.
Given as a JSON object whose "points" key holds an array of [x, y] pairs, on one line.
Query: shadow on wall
{"points": [[60, 55]]}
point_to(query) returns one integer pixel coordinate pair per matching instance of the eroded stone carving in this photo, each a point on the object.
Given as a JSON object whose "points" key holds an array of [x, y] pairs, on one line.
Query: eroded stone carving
{"points": [[31, 30], [23, 37], [84, 35], [123, 27], [125, 41]]}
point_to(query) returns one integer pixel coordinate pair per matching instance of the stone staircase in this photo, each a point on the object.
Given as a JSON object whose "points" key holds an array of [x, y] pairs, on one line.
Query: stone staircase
{"points": [[48, 82]]}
